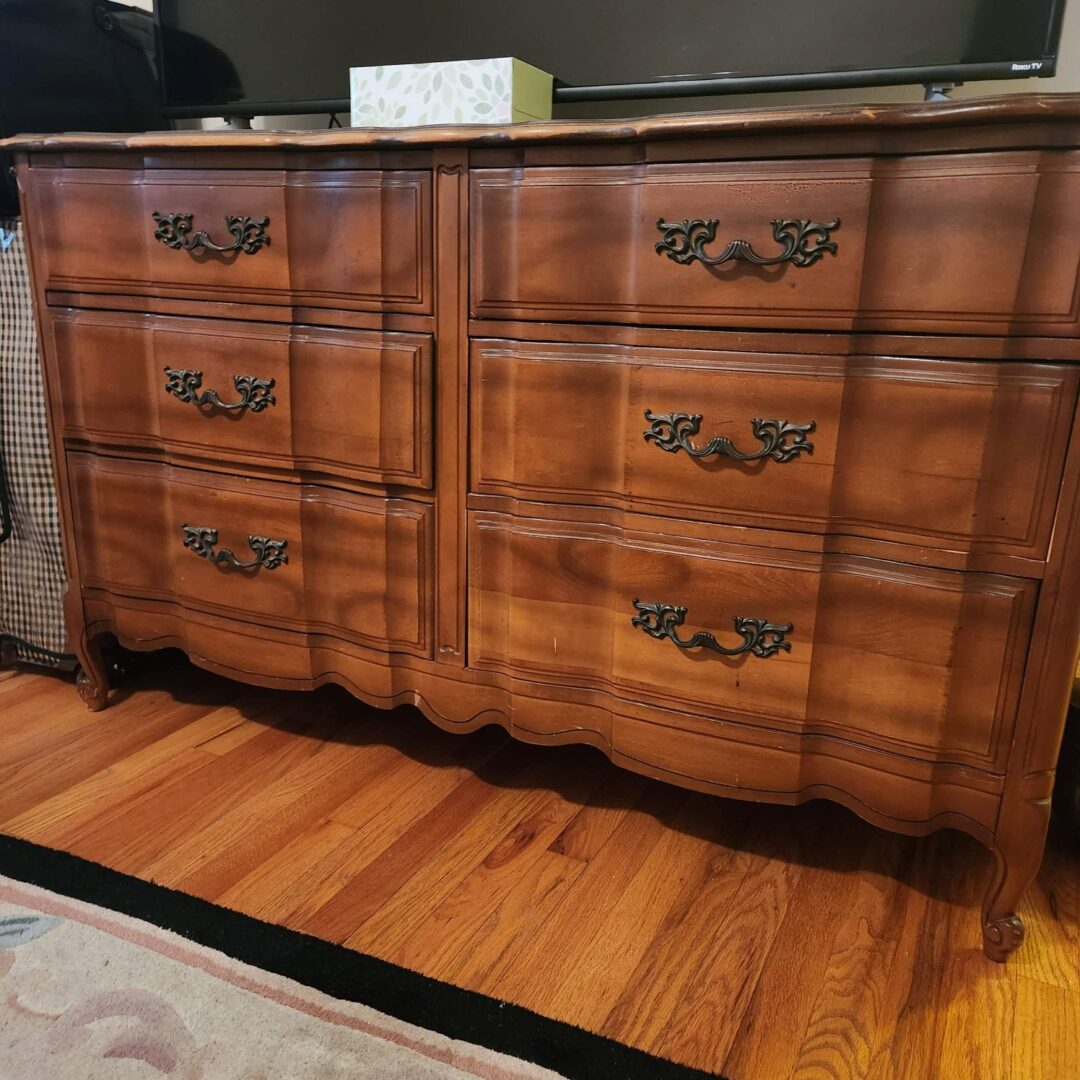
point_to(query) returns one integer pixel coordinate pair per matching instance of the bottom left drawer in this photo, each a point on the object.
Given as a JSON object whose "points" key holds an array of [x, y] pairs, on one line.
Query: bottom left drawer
{"points": [[297, 556]]}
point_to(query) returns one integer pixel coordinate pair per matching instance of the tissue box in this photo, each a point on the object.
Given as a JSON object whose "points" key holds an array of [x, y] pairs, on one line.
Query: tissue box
{"points": [[498, 91]]}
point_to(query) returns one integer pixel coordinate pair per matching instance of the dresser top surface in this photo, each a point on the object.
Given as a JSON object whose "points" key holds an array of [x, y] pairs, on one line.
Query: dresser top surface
{"points": [[1024, 109]]}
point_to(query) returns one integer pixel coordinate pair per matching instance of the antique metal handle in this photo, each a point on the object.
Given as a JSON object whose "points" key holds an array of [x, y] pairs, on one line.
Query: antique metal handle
{"points": [[269, 554], [801, 242], [779, 440], [759, 637], [254, 393], [175, 231]]}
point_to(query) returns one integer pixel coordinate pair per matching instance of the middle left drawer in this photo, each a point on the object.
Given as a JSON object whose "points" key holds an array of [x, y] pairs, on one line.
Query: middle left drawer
{"points": [[354, 403]]}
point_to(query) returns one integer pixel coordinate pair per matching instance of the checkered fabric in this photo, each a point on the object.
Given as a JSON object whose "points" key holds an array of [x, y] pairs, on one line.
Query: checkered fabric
{"points": [[31, 566]]}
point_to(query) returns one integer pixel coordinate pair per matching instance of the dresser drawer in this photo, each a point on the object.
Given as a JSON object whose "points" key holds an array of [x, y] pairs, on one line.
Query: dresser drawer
{"points": [[915, 661], [298, 557], [351, 239], [964, 456], [952, 243], [355, 403]]}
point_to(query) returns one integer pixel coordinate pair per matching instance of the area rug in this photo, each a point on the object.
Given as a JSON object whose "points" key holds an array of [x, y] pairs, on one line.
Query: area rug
{"points": [[106, 976]]}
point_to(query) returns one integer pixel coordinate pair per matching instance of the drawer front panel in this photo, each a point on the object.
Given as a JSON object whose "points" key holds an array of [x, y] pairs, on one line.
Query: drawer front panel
{"points": [[358, 239], [940, 243], [965, 456], [342, 401], [916, 661], [352, 566]]}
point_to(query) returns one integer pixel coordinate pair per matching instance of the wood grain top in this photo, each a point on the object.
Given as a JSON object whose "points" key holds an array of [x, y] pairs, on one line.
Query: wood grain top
{"points": [[1015, 108]]}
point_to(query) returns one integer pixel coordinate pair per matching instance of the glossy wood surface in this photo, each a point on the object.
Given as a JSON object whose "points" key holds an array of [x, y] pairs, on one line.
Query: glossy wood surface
{"points": [[921, 662], [354, 403], [923, 243], [748, 940], [738, 760], [903, 450], [382, 221], [1031, 117], [358, 566]]}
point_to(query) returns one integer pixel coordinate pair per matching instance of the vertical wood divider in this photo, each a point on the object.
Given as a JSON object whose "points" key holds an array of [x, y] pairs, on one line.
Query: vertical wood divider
{"points": [[451, 404]]}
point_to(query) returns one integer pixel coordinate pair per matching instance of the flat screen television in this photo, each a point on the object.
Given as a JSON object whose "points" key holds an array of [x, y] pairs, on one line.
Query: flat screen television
{"points": [[251, 56]]}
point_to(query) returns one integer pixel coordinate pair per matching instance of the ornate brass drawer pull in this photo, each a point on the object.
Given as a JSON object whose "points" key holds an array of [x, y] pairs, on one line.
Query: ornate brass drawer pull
{"points": [[779, 440], [684, 242], [254, 393], [759, 637], [175, 231], [269, 554]]}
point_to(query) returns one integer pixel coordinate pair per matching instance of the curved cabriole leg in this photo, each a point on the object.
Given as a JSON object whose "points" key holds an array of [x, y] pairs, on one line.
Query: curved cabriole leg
{"points": [[1018, 852], [92, 679]]}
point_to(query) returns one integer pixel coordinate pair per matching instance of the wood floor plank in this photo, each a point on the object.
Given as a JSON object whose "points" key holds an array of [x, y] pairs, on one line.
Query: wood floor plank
{"points": [[407, 802], [1045, 1043], [91, 748], [511, 922], [672, 965], [132, 834], [208, 862], [438, 766], [272, 888], [597, 973], [532, 970], [516, 917], [738, 947], [38, 711], [365, 892], [974, 994], [1051, 907], [850, 1001], [120, 780], [910, 1043], [800, 956], [459, 916], [490, 835]]}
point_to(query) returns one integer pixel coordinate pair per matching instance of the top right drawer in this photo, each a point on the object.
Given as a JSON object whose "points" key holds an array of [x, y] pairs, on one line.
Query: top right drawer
{"points": [[952, 243]]}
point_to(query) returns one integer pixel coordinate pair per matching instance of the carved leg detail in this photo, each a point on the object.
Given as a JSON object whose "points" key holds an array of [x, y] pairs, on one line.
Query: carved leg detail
{"points": [[92, 680], [1018, 853]]}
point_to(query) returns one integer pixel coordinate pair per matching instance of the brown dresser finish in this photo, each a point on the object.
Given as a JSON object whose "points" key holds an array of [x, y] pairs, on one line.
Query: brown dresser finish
{"points": [[909, 450], [581, 243], [918, 661], [383, 220], [258, 393], [742, 447]]}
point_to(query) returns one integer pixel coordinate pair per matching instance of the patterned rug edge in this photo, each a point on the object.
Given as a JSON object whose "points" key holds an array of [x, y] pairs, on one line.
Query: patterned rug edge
{"points": [[340, 972]]}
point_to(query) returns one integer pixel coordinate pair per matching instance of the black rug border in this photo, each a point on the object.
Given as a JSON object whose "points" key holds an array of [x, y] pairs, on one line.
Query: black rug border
{"points": [[342, 973]]}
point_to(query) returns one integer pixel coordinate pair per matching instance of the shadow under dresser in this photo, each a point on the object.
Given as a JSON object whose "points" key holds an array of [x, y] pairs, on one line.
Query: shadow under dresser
{"points": [[740, 446]]}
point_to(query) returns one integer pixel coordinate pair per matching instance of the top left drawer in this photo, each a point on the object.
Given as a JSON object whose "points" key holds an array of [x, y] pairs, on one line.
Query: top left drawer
{"points": [[353, 239]]}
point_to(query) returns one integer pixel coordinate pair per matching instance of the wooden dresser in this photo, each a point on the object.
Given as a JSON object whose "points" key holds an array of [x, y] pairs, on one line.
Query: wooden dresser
{"points": [[740, 446]]}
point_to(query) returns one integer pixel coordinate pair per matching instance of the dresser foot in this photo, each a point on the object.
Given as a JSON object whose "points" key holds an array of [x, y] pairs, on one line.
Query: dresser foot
{"points": [[1018, 851], [92, 679], [1002, 936], [94, 694]]}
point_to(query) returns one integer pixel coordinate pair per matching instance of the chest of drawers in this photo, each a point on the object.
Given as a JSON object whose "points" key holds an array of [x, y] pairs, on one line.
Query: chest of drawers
{"points": [[741, 447]]}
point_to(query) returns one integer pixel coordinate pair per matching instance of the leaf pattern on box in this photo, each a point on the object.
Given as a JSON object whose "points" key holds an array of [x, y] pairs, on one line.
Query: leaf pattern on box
{"points": [[460, 91]]}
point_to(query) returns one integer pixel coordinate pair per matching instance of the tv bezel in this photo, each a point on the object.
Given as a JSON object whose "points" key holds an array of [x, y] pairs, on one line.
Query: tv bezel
{"points": [[675, 86]]}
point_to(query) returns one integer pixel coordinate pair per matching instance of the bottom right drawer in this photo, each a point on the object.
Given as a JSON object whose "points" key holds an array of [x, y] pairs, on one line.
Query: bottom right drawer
{"points": [[912, 660]]}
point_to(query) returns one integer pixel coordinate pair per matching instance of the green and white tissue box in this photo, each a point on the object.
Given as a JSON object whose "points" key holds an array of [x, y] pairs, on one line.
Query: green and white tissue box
{"points": [[500, 91]]}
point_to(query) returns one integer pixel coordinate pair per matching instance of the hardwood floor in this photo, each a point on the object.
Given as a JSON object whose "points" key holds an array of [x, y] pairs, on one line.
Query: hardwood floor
{"points": [[759, 941]]}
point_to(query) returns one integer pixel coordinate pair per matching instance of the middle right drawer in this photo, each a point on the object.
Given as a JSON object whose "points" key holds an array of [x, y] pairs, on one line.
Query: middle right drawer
{"points": [[959, 455]]}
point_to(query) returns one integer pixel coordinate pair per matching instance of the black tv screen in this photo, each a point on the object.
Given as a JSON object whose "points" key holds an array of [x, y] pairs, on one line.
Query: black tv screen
{"points": [[228, 52]]}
